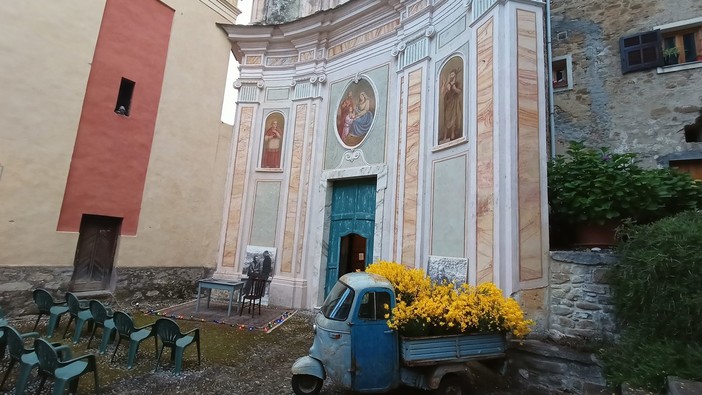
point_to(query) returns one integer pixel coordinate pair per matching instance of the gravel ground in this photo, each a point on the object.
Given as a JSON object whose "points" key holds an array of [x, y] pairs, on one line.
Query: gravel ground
{"points": [[233, 362]]}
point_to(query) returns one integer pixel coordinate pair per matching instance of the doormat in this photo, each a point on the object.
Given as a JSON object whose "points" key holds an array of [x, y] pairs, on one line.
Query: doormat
{"points": [[270, 318]]}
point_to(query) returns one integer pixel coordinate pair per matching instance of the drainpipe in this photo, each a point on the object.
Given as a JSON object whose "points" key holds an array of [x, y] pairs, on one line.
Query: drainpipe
{"points": [[549, 62]]}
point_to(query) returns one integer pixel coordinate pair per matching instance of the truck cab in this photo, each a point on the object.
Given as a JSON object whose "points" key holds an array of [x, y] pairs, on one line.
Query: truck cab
{"points": [[353, 343]]}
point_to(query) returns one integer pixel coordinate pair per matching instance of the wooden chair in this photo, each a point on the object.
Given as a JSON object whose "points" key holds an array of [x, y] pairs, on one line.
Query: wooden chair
{"points": [[253, 293]]}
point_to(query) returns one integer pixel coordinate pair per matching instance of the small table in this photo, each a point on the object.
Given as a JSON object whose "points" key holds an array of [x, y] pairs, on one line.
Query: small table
{"points": [[211, 283]]}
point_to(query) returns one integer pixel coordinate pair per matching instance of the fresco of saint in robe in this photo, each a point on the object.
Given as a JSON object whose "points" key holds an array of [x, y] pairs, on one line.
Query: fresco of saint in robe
{"points": [[451, 101]]}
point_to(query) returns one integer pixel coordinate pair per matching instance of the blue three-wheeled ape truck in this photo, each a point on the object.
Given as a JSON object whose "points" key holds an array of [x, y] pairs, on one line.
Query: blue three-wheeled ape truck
{"points": [[355, 348]]}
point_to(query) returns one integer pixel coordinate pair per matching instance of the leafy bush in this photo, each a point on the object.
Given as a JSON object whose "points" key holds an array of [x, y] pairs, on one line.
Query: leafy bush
{"points": [[596, 185], [645, 362], [658, 298]]}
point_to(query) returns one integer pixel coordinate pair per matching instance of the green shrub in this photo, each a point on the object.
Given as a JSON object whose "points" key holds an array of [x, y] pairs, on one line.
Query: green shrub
{"points": [[645, 362], [658, 299], [595, 185]]}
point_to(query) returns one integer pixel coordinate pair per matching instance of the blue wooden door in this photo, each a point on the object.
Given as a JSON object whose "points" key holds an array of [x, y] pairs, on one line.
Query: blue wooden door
{"points": [[374, 346], [352, 212]]}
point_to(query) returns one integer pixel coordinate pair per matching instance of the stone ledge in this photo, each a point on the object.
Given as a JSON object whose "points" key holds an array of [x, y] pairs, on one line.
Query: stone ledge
{"points": [[590, 258], [678, 386]]}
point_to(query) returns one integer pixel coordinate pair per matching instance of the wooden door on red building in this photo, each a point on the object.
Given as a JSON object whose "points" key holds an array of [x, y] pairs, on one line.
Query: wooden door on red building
{"points": [[95, 253]]}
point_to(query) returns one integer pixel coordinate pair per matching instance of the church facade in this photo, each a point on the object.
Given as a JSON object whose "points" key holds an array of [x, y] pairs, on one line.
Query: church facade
{"points": [[411, 131]]}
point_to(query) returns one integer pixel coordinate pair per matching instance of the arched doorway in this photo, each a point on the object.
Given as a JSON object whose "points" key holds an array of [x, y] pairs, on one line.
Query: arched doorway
{"points": [[352, 227]]}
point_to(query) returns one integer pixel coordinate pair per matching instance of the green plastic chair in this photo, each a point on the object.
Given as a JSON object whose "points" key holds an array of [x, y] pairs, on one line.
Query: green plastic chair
{"points": [[80, 312], [3, 337], [102, 317], [48, 306], [25, 356], [169, 332], [127, 331], [63, 372]]}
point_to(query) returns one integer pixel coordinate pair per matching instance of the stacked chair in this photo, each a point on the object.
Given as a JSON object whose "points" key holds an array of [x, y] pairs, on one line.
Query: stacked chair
{"points": [[64, 372], [3, 337], [102, 318], [79, 312], [26, 357], [134, 335], [54, 360], [48, 306]]}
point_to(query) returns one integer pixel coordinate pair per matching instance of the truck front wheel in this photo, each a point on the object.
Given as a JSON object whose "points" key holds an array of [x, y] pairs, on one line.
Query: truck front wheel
{"points": [[451, 384], [305, 384]]}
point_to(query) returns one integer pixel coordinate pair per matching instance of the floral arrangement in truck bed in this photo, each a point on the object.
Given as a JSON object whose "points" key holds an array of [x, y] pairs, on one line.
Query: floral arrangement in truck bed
{"points": [[425, 308]]}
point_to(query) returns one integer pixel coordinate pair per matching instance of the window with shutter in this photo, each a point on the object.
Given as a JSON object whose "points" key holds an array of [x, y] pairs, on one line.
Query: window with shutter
{"points": [[641, 51]]}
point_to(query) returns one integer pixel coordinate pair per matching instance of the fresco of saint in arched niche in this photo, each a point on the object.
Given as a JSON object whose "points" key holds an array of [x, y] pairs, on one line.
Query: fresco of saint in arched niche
{"points": [[355, 114], [272, 141], [451, 101]]}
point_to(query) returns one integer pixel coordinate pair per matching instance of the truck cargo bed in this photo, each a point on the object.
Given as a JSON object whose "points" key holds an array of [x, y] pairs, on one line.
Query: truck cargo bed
{"points": [[429, 350]]}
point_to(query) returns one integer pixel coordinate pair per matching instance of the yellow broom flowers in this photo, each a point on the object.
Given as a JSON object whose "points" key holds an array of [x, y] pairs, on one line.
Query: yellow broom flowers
{"points": [[424, 308]]}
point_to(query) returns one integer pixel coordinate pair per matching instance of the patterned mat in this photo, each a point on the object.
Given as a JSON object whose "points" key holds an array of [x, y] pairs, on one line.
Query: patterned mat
{"points": [[270, 318]]}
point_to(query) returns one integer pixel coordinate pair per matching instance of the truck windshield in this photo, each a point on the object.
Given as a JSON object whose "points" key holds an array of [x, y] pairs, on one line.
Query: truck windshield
{"points": [[338, 302]]}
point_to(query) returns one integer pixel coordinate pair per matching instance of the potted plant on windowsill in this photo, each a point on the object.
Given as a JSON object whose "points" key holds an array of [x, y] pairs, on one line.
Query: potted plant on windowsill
{"points": [[595, 189], [670, 56]]}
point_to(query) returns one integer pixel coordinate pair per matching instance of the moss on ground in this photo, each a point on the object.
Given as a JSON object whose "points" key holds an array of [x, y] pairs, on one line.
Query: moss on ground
{"points": [[239, 351]]}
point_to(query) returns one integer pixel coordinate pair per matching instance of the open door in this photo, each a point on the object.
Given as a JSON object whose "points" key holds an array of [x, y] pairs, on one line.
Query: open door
{"points": [[95, 253], [352, 228]]}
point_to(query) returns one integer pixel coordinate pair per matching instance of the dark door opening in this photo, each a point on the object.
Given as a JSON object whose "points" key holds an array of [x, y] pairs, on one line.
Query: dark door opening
{"points": [[351, 229], [352, 254], [95, 252]]}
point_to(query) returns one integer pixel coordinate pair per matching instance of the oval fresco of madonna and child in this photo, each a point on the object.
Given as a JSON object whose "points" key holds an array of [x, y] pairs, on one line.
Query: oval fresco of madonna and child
{"points": [[355, 113]]}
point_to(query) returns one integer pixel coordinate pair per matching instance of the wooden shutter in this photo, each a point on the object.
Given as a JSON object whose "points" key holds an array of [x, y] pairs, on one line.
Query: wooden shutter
{"points": [[641, 51]]}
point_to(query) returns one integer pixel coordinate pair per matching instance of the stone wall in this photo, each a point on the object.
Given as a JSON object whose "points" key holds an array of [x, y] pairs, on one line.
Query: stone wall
{"points": [[143, 285], [544, 368], [643, 111], [559, 359], [581, 300]]}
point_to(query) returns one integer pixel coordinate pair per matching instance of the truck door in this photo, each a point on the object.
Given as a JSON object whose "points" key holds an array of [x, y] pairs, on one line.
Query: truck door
{"points": [[374, 355]]}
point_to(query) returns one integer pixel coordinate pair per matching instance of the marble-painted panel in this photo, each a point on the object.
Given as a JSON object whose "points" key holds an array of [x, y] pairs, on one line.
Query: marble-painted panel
{"points": [[448, 207], [306, 176], [294, 192], [366, 100], [410, 183], [445, 36], [264, 222], [372, 35], [273, 94], [281, 60], [417, 7], [485, 210], [398, 171], [253, 59], [530, 240], [241, 157], [307, 55]]}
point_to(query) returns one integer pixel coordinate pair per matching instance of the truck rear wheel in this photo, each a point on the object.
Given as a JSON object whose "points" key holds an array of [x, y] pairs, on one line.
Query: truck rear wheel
{"points": [[305, 384], [451, 384]]}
